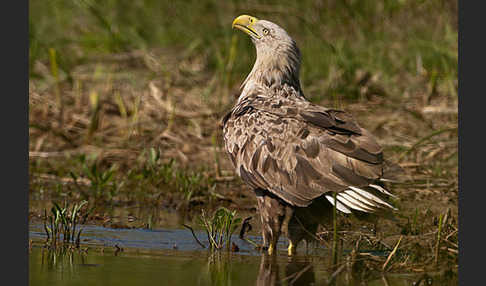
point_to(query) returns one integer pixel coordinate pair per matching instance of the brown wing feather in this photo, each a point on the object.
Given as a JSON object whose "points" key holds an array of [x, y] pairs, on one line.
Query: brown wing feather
{"points": [[299, 151]]}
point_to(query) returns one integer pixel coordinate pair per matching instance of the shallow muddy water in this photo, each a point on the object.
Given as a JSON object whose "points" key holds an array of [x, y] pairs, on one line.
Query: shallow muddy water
{"points": [[172, 257], [146, 240]]}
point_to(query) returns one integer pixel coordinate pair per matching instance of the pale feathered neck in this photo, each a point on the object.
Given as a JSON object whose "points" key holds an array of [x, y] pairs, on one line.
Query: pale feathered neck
{"points": [[274, 67]]}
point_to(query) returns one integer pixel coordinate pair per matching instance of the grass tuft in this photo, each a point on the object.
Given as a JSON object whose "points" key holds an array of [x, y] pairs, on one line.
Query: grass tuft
{"points": [[219, 227], [61, 226]]}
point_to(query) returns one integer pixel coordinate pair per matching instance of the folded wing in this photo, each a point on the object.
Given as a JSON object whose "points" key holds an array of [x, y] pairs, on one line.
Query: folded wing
{"points": [[300, 151]]}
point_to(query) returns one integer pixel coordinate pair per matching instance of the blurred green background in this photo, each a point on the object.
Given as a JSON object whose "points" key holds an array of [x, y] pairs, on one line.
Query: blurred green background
{"points": [[393, 39]]}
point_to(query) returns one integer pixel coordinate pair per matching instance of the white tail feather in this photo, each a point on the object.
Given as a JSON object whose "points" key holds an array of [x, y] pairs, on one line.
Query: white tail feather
{"points": [[339, 205], [371, 197], [383, 190], [361, 199], [355, 202]]}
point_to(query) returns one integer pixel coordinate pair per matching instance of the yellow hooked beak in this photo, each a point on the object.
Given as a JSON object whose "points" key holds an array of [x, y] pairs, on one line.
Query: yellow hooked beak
{"points": [[245, 23]]}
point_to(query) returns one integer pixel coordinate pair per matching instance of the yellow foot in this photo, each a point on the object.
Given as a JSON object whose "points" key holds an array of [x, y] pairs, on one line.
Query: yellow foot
{"points": [[291, 249], [270, 249]]}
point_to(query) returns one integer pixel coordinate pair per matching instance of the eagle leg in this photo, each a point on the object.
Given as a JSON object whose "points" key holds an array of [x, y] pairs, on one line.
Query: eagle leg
{"points": [[272, 214]]}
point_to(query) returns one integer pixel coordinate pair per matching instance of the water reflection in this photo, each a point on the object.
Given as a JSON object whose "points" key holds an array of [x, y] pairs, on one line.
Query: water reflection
{"points": [[61, 258], [300, 272], [268, 272], [220, 268], [297, 272], [51, 267]]}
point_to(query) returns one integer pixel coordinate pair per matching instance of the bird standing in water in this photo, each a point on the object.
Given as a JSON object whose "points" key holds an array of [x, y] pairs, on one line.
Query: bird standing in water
{"points": [[294, 154]]}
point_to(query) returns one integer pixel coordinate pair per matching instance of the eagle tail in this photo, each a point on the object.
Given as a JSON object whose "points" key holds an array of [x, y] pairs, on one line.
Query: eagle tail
{"points": [[369, 199]]}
